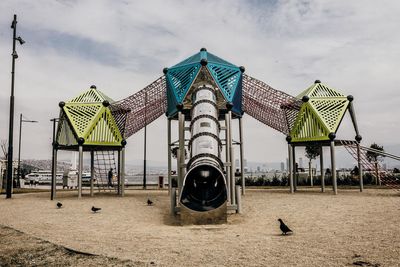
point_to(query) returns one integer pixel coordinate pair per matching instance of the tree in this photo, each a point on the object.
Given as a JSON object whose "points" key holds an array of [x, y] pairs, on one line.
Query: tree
{"points": [[312, 152], [374, 156], [396, 170]]}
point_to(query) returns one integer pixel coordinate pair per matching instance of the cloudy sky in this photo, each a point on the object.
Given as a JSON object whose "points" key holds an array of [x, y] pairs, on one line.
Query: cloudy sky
{"points": [[122, 46]]}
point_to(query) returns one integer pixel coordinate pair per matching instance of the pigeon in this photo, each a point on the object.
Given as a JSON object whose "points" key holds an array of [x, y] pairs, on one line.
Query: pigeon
{"points": [[284, 228], [59, 205], [95, 209], [149, 202]]}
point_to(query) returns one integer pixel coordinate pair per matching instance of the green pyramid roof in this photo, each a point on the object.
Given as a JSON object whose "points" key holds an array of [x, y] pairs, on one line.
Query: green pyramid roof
{"points": [[320, 114], [88, 116]]}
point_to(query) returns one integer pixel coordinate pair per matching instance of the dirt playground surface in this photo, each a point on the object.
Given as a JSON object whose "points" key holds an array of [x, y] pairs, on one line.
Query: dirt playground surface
{"points": [[350, 229]]}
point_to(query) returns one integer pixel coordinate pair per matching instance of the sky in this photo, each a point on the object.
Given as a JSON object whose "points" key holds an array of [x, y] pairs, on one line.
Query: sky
{"points": [[122, 46]]}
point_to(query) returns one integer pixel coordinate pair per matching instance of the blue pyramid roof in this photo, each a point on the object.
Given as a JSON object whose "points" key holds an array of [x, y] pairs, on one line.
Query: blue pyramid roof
{"points": [[226, 75]]}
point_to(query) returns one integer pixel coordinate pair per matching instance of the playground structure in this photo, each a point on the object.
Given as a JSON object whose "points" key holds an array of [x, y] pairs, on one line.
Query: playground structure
{"points": [[88, 124], [204, 93]]}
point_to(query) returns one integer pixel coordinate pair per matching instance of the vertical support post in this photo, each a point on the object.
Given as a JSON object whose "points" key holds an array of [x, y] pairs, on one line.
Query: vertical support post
{"points": [[119, 173], [54, 175], [54, 163], [231, 159], [181, 154], [333, 165], [123, 170], [321, 163], [241, 156], [360, 171], [80, 170], [19, 151], [227, 157], [169, 156], [145, 142], [173, 200], [294, 168], [290, 167], [92, 174], [238, 199]]}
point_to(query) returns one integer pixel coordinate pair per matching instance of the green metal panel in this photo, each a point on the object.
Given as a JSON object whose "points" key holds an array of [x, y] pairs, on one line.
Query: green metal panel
{"points": [[103, 130], [86, 117], [81, 116], [309, 126], [320, 115], [65, 134], [320, 90], [91, 96], [331, 111]]}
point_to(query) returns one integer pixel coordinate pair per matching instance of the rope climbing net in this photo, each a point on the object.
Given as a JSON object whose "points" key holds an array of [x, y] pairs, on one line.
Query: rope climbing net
{"points": [[374, 167], [272, 107], [103, 162], [142, 107]]}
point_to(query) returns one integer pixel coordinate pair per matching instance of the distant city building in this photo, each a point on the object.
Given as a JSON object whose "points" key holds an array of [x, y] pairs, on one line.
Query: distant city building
{"points": [[282, 166], [301, 163], [258, 168]]}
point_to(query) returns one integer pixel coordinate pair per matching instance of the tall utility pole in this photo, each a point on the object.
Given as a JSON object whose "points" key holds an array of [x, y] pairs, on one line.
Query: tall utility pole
{"points": [[145, 140], [11, 126]]}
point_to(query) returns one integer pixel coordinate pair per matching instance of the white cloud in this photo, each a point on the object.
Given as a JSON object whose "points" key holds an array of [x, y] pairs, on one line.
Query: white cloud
{"points": [[121, 46]]}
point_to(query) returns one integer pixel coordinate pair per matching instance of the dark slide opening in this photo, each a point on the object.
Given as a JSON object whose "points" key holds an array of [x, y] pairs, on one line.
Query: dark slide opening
{"points": [[204, 188]]}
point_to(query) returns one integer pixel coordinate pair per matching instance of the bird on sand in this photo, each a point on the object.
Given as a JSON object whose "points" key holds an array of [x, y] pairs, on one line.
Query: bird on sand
{"points": [[94, 209], [284, 228], [149, 202], [59, 205]]}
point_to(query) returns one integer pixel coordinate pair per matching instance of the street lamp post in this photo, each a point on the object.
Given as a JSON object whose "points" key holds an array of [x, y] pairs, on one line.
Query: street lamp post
{"points": [[11, 127], [19, 148]]}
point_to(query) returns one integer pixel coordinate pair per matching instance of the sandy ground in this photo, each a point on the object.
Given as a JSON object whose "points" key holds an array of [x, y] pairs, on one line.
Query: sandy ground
{"points": [[344, 230]]}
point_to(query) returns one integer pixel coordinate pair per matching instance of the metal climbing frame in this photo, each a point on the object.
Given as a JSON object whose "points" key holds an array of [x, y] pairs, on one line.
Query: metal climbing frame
{"points": [[272, 107], [143, 107]]}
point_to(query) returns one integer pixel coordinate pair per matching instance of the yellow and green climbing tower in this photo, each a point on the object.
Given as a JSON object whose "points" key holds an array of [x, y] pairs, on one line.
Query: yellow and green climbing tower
{"points": [[322, 111], [88, 117]]}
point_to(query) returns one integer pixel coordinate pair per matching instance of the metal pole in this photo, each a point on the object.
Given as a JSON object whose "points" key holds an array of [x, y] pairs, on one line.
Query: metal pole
{"points": [[294, 168], [241, 156], [227, 157], [123, 172], [119, 173], [11, 126], [169, 156], [238, 199], [80, 170], [145, 141], [231, 159], [290, 167], [173, 200], [333, 165], [181, 149], [321, 163], [360, 168], [54, 163], [19, 151], [92, 174]]}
